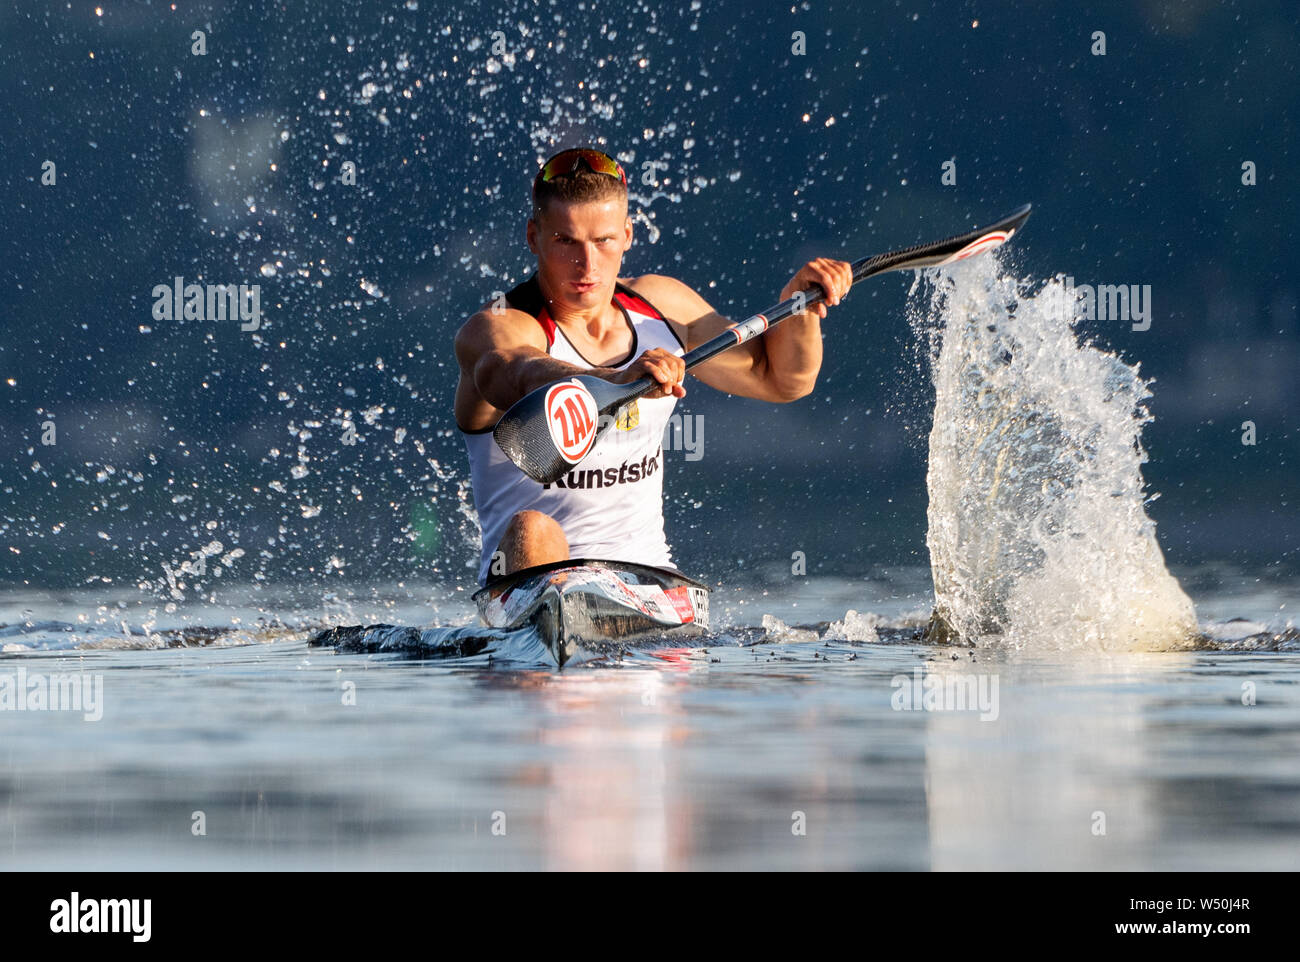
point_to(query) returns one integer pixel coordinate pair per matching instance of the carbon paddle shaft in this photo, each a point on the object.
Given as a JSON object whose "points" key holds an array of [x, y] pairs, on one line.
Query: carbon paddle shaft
{"points": [[922, 255]]}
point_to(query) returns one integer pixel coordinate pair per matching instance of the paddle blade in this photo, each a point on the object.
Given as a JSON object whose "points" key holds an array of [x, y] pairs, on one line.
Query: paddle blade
{"points": [[941, 253], [545, 433]]}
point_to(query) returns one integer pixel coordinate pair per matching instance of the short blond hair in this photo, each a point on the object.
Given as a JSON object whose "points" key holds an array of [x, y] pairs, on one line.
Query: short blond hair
{"points": [[581, 187]]}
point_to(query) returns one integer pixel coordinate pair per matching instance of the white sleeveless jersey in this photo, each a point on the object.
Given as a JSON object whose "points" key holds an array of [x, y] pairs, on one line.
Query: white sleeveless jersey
{"points": [[611, 505]]}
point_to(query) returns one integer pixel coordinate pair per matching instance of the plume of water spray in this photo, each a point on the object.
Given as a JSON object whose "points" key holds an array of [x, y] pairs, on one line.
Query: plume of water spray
{"points": [[1038, 532]]}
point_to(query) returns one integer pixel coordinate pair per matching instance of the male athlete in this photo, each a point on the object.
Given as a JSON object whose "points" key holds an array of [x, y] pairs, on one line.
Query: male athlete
{"points": [[574, 316]]}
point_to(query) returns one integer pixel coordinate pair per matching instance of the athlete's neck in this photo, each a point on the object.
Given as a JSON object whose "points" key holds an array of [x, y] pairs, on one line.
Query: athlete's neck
{"points": [[595, 318]]}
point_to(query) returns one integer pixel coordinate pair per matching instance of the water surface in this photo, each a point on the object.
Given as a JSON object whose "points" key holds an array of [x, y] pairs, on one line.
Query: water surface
{"points": [[710, 757]]}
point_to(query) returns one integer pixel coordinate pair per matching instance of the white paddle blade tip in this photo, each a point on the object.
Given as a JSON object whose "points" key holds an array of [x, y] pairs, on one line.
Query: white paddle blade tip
{"points": [[979, 246]]}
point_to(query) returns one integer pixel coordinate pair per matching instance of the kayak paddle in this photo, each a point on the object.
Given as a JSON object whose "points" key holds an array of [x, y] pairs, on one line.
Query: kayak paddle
{"points": [[549, 430]]}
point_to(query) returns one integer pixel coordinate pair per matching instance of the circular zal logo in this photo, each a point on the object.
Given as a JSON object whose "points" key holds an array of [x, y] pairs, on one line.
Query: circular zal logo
{"points": [[571, 415]]}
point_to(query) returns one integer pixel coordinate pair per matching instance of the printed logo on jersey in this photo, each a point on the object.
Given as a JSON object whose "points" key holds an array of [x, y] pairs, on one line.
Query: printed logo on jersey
{"points": [[629, 472], [571, 415], [628, 417]]}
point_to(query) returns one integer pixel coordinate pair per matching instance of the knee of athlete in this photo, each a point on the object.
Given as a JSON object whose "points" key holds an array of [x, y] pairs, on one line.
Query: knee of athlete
{"points": [[536, 524]]}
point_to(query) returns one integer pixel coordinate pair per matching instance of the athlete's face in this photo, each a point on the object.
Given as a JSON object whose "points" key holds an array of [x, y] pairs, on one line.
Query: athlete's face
{"points": [[580, 248]]}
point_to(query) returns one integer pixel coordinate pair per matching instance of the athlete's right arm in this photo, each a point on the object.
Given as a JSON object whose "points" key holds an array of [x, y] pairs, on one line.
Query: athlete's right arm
{"points": [[503, 357]]}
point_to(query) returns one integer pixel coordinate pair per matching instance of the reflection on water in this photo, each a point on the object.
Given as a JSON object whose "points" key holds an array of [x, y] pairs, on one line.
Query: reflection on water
{"points": [[1055, 799], [610, 802], [1122, 762], [791, 753]]}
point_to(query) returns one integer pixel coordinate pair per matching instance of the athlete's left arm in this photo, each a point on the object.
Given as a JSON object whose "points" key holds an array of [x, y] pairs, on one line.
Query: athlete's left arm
{"points": [[779, 366]]}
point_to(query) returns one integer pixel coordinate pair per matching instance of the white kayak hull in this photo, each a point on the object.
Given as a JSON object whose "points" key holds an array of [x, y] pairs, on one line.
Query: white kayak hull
{"points": [[587, 607]]}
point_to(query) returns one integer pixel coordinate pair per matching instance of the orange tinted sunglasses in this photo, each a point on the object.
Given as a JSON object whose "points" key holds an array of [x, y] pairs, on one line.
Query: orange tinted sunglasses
{"points": [[566, 162]]}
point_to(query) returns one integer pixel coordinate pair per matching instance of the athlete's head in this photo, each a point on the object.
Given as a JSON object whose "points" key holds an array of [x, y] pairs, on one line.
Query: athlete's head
{"points": [[580, 228]]}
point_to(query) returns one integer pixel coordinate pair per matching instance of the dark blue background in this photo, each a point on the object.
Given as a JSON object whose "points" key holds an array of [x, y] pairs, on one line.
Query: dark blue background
{"points": [[1132, 160]]}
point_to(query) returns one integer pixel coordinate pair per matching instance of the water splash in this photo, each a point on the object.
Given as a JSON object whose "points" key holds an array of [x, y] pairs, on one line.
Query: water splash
{"points": [[1038, 532]]}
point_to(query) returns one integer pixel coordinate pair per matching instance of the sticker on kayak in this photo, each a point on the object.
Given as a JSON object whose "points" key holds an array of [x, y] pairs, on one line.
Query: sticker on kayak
{"points": [[571, 416], [680, 597], [978, 246]]}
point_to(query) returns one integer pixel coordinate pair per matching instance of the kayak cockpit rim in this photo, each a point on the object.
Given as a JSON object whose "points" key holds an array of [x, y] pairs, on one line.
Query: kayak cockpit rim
{"points": [[506, 582]]}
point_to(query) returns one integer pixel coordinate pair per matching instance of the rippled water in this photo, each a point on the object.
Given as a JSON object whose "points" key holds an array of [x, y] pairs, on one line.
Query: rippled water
{"points": [[709, 757]]}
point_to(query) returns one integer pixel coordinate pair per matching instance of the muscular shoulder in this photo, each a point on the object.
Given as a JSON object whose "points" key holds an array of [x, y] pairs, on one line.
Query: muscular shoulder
{"points": [[674, 298], [486, 330], [692, 318]]}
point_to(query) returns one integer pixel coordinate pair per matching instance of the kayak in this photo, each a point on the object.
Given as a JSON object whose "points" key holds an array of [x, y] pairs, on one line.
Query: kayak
{"points": [[590, 607]]}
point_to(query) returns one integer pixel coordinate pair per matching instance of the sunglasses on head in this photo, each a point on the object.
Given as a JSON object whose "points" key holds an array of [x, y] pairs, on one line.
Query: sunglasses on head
{"points": [[567, 162]]}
